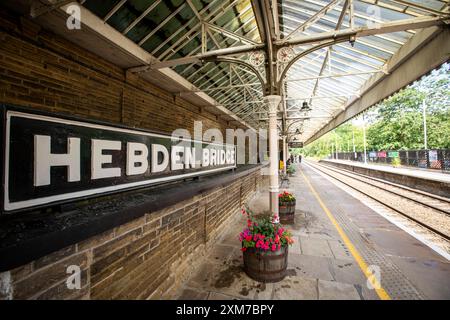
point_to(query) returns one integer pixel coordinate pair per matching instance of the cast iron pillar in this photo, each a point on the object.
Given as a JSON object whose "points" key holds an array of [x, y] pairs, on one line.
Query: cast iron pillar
{"points": [[273, 102], [285, 154]]}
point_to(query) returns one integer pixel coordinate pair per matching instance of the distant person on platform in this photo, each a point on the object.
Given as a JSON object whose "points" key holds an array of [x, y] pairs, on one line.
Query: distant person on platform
{"points": [[300, 158], [292, 158]]}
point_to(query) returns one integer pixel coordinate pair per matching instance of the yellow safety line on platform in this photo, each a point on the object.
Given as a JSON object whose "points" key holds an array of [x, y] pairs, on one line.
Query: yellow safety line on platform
{"points": [[362, 264]]}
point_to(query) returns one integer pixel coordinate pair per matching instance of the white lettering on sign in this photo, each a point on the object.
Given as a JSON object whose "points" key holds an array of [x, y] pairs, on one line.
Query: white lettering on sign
{"points": [[189, 158], [136, 161], [98, 159], [212, 159], [44, 160], [205, 158], [137, 154], [159, 149], [176, 156], [222, 157]]}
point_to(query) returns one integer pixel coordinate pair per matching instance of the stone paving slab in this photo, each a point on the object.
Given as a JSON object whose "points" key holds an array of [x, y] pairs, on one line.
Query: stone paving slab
{"points": [[315, 247], [330, 290], [310, 266], [296, 288]]}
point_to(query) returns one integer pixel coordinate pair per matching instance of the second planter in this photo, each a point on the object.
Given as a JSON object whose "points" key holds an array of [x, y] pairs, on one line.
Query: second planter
{"points": [[287, 211]]}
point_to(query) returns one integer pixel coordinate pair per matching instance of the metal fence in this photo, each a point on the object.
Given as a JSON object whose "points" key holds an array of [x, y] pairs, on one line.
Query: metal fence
{"points": [[437, 159]]}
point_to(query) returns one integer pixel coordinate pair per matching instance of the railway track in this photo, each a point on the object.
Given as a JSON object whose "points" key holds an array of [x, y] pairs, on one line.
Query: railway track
{"points": [[425, 199], [429, 211]]}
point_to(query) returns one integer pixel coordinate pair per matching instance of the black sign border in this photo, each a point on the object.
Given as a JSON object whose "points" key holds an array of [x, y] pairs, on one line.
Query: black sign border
{"points": [[5, 108]]}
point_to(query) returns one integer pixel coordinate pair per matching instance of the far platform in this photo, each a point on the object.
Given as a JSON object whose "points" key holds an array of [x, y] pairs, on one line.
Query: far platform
{"points": [[321, 264], [420, 173]]}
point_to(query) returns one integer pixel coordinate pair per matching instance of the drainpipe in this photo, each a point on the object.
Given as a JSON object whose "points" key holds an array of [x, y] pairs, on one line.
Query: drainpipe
{"points": [[272, 102]]}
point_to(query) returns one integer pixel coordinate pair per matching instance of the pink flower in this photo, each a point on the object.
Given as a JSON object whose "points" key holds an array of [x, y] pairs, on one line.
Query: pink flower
{"points": [[274, 247], [258, 243], [243, 249]]}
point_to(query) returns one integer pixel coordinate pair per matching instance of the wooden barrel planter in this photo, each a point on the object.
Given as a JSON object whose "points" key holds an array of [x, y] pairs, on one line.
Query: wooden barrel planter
{"points": [[287, 212], [266, 266]]}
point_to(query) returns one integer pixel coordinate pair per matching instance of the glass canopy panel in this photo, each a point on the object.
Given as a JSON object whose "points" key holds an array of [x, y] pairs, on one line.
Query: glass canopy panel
{"points": [[170, 29]]}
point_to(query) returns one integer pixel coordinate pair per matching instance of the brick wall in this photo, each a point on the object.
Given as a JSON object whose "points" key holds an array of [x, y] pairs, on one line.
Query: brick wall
{"points": [[148, 257], [40, 70]]}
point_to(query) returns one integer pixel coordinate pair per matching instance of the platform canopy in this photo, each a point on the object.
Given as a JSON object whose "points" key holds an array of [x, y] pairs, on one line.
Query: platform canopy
{"points": [[329, 59]]}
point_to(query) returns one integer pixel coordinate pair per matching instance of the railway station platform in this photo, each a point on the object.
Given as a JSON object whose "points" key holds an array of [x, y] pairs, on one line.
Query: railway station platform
{"points": [[434, 182], [135, 131], [339, 244]]}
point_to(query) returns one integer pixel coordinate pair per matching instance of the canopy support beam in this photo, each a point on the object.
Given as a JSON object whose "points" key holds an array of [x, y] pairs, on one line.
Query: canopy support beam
{"points": [[427, 50]]}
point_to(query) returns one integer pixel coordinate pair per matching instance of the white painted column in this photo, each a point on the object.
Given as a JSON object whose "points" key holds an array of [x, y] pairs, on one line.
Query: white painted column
{"points": [[273, 102], [285, 155]]}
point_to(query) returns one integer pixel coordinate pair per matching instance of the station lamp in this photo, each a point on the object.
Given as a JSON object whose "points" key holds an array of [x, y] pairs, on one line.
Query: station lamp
{"points": [[305, 107]]}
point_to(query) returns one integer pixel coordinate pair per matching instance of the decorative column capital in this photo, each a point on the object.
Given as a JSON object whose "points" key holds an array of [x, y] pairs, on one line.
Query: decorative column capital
{"points": [[273, 101]]}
